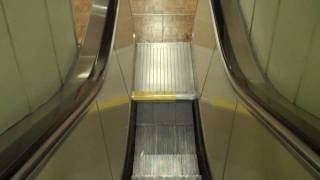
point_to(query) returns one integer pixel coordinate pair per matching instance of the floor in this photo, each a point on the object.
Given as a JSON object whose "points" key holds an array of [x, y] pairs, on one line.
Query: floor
{"points": [[163, 20], [154, 20]]}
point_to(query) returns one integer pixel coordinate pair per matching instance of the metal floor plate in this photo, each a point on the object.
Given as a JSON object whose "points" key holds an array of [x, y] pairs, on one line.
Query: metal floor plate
{"points": [[165, 145], [164, 72]]}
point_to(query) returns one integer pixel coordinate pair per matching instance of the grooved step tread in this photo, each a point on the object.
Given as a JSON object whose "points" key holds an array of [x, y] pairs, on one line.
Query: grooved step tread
{"points": [[193, 177], [164, 72]]}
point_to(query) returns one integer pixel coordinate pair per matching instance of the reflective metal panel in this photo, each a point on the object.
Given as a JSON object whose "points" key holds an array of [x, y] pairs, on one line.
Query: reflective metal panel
{"points": [[254, 153], [164, 70], [83, 153], [94, 32]]}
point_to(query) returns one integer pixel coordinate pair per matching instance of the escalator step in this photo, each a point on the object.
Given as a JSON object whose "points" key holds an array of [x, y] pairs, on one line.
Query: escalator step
{"points": [[165, 142], [164, 72], [193, 177]]}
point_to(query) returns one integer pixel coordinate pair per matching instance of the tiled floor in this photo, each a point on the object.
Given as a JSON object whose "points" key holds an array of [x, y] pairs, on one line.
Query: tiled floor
{"points": [[163, 20], [163, 6], [155, 20], [163, 28], [81, 9]]}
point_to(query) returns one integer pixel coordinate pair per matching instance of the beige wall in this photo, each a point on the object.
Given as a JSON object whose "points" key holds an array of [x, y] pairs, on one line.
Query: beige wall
{"points": [[37, 49], [284, 35]]}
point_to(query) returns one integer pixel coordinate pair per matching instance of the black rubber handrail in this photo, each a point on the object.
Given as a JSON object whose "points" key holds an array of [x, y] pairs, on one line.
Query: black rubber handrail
{"points": [[305, 152]]}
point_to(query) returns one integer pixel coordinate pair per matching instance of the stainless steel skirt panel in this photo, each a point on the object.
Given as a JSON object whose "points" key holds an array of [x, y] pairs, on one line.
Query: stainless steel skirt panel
{"points": [[165, 70], [165, 144]]}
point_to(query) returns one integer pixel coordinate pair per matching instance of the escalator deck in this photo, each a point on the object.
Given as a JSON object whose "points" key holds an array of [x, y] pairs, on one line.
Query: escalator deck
{"points": [[165, 142]]}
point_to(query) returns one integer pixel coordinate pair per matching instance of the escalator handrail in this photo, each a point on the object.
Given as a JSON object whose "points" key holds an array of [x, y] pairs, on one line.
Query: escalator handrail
{"points": [[296, 146], [95, 80]]}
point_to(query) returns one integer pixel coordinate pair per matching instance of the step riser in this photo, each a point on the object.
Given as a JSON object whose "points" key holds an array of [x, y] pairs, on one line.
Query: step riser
{"points": [[168, 178]]}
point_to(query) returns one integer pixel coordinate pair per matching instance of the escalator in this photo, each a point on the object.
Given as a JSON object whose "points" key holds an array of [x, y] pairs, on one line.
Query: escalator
{"points": [[193, 105], [164, 95], [165, 146], [165, 142]]}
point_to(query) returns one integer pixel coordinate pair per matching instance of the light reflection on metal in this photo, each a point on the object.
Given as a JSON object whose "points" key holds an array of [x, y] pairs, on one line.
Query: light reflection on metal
{"points": [[99, 10], [84, 75], [95, 28], [100, 7]]}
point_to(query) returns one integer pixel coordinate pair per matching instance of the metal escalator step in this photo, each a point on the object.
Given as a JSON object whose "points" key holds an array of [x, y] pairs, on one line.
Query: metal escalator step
{"points": [[165, 143], [192, 177], [165, 165], [176, 113], [164, 72]]}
